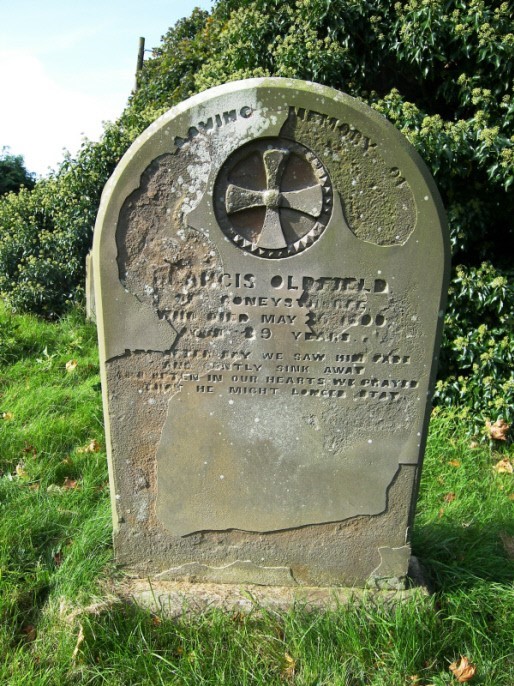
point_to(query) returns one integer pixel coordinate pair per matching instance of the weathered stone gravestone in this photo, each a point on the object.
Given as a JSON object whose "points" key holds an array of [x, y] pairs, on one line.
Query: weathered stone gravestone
{"points": [[270, 261]]}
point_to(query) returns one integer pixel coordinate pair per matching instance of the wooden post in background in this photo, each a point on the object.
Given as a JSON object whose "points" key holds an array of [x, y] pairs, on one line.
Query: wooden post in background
{"points": [[140, 58]]}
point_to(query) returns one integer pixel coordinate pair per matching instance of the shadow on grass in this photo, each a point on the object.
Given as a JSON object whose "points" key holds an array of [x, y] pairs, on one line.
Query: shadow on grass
{"points": [[458, 556]]}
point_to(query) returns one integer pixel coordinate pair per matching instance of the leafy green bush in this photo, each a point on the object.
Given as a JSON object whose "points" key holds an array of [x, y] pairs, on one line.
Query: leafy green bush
{"points": [[477, 357], [45, 233]]}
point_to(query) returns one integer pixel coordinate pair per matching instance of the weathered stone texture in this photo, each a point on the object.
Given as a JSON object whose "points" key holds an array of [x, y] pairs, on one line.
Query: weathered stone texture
{"points": [[270, 261]]}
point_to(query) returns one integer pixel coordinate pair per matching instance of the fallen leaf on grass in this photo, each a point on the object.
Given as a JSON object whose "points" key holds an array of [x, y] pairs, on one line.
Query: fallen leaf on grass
{"points": [[71, 365], [511, 496], [69, 484], [464, 671], [499, 430], [29, 449], [92, 447], [441, 512], [58, 557], [508, 544], [289, 666], [449, 497], [7, 416], [454, 463], [504, 466], [30, 632]]}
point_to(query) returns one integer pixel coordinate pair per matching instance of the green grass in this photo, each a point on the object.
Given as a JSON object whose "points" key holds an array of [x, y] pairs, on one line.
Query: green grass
{"points": [[58, 628]]}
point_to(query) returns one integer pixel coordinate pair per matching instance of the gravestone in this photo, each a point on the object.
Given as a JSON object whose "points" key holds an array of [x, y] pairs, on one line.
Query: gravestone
{"points": [[270, 268]]}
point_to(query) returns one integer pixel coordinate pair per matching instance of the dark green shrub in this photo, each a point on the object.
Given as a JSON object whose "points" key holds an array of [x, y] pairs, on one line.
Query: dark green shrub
{"points": [[13, 173], [45, 233], [477, 357]]}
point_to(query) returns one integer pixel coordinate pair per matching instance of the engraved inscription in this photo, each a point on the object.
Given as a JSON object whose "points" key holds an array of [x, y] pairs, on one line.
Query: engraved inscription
{"points": [[377, 200], [211, 123]]}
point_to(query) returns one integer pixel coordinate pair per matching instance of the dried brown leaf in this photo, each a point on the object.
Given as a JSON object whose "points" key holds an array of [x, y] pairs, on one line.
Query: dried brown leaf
{"points": [[499, 430], [454, 463], [92, 447], [30, 632], [508, 544], [504, 466], [69, 484], [449, 497], [289, 666], [71, 365], [463, 671], [58, 557]]}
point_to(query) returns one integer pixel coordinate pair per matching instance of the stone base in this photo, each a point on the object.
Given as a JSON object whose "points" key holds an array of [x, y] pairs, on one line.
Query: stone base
{"points": [[174, 599]]}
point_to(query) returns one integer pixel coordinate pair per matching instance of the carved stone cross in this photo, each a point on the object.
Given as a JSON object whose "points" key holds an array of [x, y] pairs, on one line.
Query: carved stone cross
{"points": [[308, 200]]}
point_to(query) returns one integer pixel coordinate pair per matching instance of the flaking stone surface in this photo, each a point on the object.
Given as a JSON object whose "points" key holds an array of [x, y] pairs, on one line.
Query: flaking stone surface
{"points": [[271, 260]]}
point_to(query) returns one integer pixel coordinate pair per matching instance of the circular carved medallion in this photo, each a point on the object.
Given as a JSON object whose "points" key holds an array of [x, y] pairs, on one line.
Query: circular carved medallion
{"points": [[273, 198]]}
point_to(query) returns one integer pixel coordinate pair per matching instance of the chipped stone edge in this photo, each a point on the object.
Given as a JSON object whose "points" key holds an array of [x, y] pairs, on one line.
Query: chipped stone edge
{"points": [[239, 571], [177, 599], [385, 576]]}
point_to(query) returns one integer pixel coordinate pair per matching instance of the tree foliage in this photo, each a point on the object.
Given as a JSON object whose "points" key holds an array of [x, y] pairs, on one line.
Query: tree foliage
{"points": [[13, 173], [440, 70]]}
